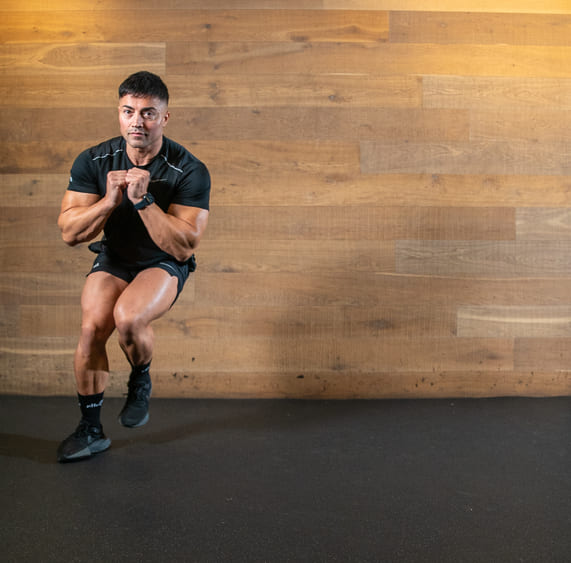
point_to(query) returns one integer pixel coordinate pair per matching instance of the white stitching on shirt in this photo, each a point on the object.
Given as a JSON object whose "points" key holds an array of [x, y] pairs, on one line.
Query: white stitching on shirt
{"points": [[108, 154], [171, 165]]}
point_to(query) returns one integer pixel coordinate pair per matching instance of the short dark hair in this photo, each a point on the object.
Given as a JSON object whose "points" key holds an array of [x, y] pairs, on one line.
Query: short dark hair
{"points": [[144, 83]]}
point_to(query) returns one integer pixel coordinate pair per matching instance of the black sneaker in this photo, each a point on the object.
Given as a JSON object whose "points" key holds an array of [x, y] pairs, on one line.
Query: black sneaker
{"points": [[135, 412], [84, 442]]}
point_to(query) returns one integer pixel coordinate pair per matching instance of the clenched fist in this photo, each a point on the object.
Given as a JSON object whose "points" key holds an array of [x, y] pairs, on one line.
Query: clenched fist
{"points": [[116, 185], [137, 183]]}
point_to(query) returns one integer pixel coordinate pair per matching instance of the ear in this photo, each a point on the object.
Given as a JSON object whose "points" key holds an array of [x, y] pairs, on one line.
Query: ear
{"points": [[166, 117]]}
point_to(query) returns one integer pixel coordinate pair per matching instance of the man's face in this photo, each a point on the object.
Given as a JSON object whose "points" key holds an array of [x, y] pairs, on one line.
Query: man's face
{"points": [[142, 120]]}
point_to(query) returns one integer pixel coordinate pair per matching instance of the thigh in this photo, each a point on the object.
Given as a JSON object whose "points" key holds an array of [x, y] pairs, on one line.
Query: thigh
{"points": [[149, 296], [100, 294]]}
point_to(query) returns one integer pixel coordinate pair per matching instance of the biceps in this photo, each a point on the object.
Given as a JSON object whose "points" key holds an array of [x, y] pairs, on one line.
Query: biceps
{"points": [[195, 218], [73, 199]]}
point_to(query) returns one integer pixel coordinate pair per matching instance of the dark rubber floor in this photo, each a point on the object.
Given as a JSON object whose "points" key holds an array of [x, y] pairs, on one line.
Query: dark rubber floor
{"points": [[291, 481]]}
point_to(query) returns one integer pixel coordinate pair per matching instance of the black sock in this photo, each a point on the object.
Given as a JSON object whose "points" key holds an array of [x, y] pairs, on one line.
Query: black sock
{"points": [[90, 406], [141, 373]]}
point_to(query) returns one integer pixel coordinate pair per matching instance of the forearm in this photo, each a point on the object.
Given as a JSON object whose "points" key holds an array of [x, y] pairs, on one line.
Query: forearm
{"points": [[172, 235], [82, 224]]}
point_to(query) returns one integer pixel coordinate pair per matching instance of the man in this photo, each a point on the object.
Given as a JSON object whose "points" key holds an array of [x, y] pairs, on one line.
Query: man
{"points": [[150, 197]]}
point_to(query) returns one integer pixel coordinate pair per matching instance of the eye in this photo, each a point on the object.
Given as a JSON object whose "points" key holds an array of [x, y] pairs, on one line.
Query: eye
{"points": [[150, 115]]}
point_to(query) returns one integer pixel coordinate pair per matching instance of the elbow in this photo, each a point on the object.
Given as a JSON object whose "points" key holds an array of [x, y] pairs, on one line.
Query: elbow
{"points": [[183, 255], [70, 241], [69, 238], [66, 235], [185, 251]]}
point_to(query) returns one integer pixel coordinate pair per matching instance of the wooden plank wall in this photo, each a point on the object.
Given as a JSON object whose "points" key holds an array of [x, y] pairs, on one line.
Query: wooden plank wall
{"points": [[391, 205]]}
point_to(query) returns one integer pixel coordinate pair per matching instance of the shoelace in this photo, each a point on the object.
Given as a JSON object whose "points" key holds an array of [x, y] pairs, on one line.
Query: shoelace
{"points": [[138, 390], [82, 429]]}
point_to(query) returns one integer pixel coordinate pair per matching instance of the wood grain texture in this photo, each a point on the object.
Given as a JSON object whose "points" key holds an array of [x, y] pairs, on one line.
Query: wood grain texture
{"points": [[501, 6], [480, 29], [312, 385], [263, 187], [370, 59], [111, 5], [390, 202], [360, 355], [536, 126], [515, 322], [493, 157], [34, 190], [297, 256], [535, 354], [358, 289], [298, 90], [485, 93], [196, 25], [14, 222], [41, 60], [475, 258], [27, 256], [40, 288], [360, 223], [544, 224], [327, 124]]}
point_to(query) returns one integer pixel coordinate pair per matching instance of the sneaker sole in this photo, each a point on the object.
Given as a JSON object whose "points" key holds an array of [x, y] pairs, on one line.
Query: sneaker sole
{"points": [[96, 448], [140, 423]]}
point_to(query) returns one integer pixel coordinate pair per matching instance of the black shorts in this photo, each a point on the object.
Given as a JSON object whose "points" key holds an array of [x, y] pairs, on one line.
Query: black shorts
{"points": [[104, 262]]}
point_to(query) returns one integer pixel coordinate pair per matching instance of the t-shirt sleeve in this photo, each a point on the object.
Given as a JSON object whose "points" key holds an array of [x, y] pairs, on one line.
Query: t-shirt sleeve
{"points": [[83, 177], [194, 188]]}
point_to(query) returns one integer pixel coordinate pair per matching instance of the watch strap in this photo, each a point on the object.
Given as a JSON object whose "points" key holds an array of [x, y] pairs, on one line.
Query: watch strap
{"points": [[147, 200]]}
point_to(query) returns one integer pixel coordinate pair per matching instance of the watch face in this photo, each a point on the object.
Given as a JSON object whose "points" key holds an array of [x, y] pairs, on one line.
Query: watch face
{"points": [[145, 202]]}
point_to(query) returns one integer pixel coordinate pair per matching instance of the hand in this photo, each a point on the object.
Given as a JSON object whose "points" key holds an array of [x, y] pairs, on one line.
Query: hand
{"points": [[137, 184], [116, 185]]}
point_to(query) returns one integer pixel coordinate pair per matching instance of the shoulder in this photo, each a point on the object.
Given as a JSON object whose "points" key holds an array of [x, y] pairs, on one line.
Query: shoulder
{"points": [[106, 150], [188, 176], [180, 159], [90, 168]]}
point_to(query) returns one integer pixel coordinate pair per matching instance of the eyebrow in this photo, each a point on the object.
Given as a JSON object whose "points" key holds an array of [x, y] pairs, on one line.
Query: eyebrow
{"points": [[142, 109]]}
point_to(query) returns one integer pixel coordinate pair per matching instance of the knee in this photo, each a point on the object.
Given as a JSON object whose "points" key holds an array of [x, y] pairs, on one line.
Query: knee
{"points": [[127, 323], [95, 332]]}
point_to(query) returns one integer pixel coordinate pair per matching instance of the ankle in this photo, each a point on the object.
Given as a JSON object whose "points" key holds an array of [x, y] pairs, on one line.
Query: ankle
{"points": [[90, 406], [141, 372]]}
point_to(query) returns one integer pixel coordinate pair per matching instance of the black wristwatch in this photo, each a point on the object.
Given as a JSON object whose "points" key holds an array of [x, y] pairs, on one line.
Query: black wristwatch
{"points": [[145, 202]]}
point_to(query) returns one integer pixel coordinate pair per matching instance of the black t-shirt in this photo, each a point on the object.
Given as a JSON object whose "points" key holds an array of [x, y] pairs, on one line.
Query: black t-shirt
{"points": [[176, 177]]}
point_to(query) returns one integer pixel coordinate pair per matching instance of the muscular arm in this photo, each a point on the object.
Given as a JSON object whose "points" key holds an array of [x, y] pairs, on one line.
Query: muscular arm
{"points": [[178, 231], [83, 215]]}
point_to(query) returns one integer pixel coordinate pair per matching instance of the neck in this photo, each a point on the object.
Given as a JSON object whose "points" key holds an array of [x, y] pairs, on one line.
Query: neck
{"points": [[141, 157]]}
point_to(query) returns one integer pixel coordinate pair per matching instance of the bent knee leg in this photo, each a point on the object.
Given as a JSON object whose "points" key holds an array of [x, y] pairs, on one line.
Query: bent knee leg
{"points": [[96, 331], [128, 322]]}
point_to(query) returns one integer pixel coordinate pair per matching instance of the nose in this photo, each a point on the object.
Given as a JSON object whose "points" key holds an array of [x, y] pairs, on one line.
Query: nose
{"points": [[137, 119]]}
